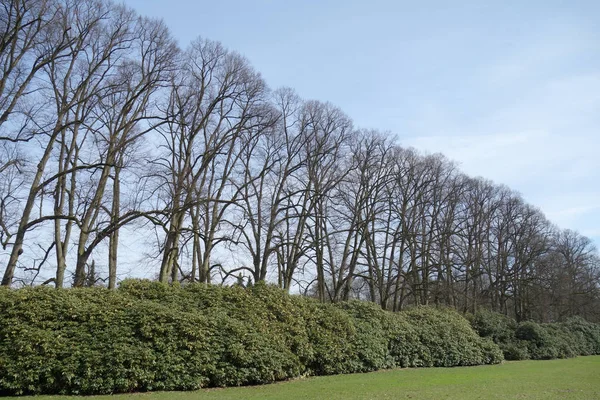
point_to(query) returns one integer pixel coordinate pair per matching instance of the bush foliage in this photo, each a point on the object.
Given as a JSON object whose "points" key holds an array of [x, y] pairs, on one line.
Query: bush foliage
{"points": [[532, 340], [149, 336]]}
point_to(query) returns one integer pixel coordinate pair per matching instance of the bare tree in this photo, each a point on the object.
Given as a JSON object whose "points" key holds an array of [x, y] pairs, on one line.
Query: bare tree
{"points": [[328, 132], [74, 75], [212, 104], [123, 116]]}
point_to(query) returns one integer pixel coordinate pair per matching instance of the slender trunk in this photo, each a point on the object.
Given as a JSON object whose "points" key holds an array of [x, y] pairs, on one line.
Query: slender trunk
{"points": [[195, 244], [88, 222], [113, 244], [59, 201]]}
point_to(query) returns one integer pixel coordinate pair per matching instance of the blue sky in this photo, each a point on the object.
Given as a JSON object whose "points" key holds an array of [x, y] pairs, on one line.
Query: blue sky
{"points": [[508, 89]]}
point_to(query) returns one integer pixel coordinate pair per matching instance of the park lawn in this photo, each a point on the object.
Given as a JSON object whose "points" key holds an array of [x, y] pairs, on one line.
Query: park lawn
{"points": [[576, 378]]}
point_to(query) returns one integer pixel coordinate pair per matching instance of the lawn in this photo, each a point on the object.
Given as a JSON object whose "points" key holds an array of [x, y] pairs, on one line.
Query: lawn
{"points": [[577, 378]]}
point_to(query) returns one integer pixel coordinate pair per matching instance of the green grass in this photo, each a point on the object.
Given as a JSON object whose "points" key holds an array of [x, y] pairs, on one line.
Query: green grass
{"points": [[576, 378]]}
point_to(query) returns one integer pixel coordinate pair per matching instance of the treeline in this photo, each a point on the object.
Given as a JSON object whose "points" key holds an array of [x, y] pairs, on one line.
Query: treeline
{"points": [[109, 130]]}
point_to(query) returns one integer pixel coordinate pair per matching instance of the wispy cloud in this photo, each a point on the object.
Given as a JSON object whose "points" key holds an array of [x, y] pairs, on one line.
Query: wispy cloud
{"points": [[539, 130]]}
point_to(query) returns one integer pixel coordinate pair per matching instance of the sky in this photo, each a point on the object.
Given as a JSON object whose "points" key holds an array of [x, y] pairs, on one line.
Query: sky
{"points": [[510, 90]]}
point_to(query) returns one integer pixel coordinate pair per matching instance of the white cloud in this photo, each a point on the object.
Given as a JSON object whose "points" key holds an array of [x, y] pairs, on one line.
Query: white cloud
{"points": [[537, 129]]}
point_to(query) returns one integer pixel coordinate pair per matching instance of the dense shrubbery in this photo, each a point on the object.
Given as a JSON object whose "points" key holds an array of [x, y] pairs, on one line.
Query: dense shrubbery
{"points": [[532, 340], [447, 340], [97, 341], [149, 336]]}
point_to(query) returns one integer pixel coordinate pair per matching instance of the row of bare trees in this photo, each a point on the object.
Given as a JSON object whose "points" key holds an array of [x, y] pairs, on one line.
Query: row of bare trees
{"points": [[109, 132]]}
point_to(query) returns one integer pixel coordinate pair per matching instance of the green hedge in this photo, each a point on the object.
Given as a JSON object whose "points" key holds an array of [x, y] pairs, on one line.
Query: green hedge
{"points": [[448, 340], [148, 336], [532, 340]]}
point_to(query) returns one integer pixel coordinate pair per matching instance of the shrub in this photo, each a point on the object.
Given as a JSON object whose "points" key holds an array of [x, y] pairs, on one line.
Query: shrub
{"points": [[587, 333], [404, 343], [95, 341], [259, 340], [501, 330], [448, 340], [547, 341], [370, 340], [149, 336], [537, 341], [493, 325]]}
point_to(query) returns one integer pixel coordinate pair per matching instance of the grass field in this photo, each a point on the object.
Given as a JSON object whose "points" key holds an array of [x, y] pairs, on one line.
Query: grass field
{"points": [[577, 378]]}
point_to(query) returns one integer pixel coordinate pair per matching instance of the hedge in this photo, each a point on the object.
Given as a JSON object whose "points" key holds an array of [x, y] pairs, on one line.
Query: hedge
{"points": [[147, 336], [538, 341], [448, 340]]}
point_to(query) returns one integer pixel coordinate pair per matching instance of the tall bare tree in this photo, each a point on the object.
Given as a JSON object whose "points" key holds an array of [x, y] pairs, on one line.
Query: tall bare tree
{"points": [[76, 70], [214, 101]]}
